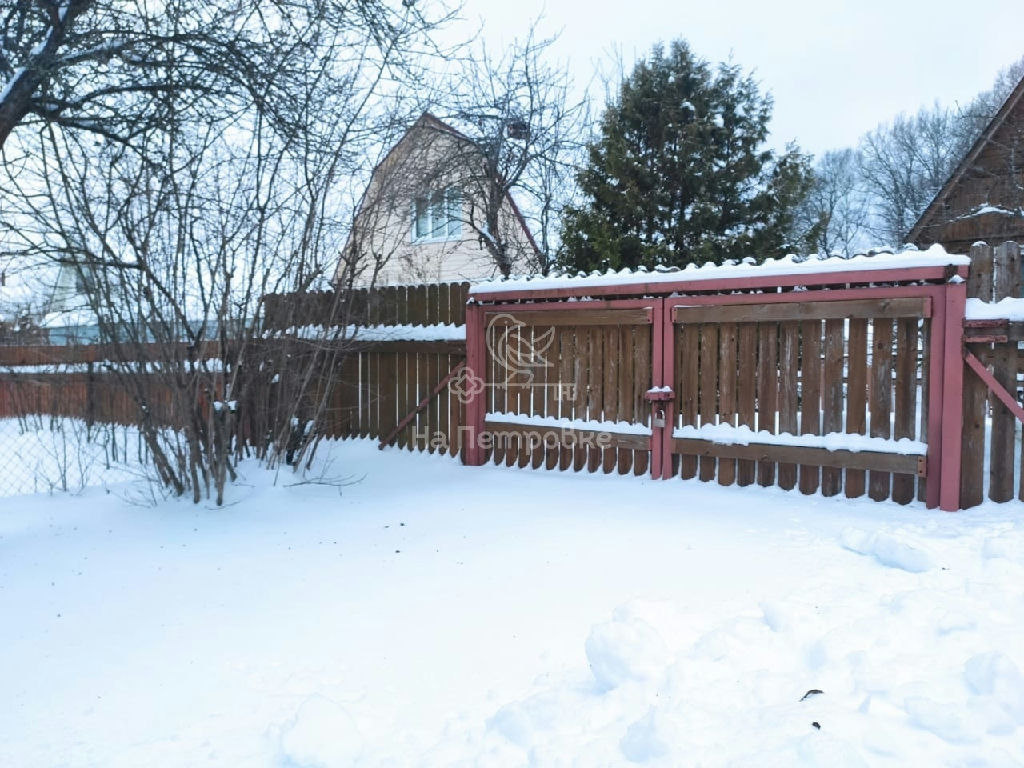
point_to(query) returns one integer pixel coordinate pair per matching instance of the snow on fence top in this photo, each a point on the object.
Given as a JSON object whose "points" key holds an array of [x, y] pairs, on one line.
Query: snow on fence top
{"points": [[1011, 309], [935, 256], [358, 333]]}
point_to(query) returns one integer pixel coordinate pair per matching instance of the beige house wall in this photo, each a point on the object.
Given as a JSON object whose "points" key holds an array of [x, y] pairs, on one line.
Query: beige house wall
{"points": [[383, 239]]}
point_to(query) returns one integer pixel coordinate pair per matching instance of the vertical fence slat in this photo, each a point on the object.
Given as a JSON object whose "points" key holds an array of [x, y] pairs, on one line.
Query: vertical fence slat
{"points": [[746, 393], [708, 393], [612, 366], [972, 452], [789, 367], [455, 414], [880, 399], [727, 394], [550, 393], [516, 454], [581, 361], [496, 389], [767, 391], [641, 383], [1006, 269], [832, 398], [402, 366], [921, 371], [687, 370], [566, 360], [434, 375], [624, 389], [596, 403], [906, 399], [538, 396], [810, 396], [445, 364], [856, 397]]}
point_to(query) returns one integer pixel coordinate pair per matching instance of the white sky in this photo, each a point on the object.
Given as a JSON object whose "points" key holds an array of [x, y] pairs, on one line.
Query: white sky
{"points": [[836, 68]]}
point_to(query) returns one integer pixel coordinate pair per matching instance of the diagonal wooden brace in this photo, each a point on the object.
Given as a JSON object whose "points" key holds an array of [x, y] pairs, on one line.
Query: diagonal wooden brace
{"points": [[997, 389], [420, 406]]}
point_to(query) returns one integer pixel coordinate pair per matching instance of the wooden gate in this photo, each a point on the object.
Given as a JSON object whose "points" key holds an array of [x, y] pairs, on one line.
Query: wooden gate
{"points": [[565, 386], [781, 392], [834, 381]]}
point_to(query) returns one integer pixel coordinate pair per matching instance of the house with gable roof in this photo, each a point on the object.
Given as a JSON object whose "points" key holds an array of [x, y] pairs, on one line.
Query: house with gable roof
{"points": [[983, 199], [424, 215]]}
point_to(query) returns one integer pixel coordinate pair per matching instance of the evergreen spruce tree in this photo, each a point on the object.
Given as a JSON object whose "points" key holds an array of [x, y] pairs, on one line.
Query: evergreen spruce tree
{"points": [[680, 175]]}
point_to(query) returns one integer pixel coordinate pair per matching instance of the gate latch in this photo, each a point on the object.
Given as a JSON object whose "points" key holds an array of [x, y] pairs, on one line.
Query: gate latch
{"points": [[658, 419], [658, 397], [659, 394]]}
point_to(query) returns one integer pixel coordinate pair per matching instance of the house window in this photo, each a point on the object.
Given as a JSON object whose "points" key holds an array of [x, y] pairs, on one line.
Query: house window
{"points": [[437, 216]]}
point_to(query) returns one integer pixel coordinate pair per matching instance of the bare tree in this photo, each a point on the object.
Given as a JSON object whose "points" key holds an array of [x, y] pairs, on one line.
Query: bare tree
{"points": [[523, 132], [978, 113], [834, 216], [221, 180], [903, 166], [478, 181]]}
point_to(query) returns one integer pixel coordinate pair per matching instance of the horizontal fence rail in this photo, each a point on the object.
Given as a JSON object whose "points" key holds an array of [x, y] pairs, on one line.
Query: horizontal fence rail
{"points": [[866, 385], [838, 382]]}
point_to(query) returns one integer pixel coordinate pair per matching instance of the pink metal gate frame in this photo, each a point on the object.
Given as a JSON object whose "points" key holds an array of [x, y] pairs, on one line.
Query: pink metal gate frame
{"points": [[947, 302]]}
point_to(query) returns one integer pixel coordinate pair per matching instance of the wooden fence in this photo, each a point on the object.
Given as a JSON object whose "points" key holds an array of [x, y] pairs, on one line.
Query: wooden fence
{"points": [[805, 368], [786, 364], [381, 380], [990, 427], [370, 384], [651, 369]]}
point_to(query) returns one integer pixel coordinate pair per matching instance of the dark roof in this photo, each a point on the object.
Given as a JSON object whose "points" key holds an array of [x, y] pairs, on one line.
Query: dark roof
{"points": [[1015, 97]]}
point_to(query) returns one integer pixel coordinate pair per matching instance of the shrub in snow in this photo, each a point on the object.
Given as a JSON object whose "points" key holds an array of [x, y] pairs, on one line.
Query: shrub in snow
{"points": [[622, 650]]}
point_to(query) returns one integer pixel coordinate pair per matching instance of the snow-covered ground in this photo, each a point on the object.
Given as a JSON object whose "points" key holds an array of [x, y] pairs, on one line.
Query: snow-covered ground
{"points": [[433, 614], [40, 454]]}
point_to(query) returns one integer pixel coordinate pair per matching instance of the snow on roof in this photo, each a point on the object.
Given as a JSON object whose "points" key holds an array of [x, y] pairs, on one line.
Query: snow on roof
{"points": [[21, 290], [984, 210], [910, 258]]}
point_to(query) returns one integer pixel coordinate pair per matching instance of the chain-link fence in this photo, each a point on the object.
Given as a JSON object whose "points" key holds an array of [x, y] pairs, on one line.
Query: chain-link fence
{"points": [[44, 454]]}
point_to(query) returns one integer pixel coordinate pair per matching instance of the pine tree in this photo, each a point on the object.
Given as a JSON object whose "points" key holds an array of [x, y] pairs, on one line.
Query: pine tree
{"points": [[679, 173]]}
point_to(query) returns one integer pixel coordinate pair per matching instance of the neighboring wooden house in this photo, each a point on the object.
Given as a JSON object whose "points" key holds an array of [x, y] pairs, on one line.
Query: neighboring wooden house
{"points": [[44, 304], [984, 198], [423, 216]]}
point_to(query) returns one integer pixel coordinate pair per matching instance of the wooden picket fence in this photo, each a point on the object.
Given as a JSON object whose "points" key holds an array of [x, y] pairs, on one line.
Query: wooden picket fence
{"points": [[369, 384], [379, 382], [780, 368], [990, 427], [820, 356], [793, 366]]}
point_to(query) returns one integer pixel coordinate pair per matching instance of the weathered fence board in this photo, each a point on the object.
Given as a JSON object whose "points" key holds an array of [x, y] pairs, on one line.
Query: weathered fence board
{"points": [[856, 396]]}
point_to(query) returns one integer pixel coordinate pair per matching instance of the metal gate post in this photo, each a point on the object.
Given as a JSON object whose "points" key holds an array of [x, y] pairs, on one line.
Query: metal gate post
{"points": [[952, 395], [664, 314], [662, 403], [936, 372], [474, 386]]}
